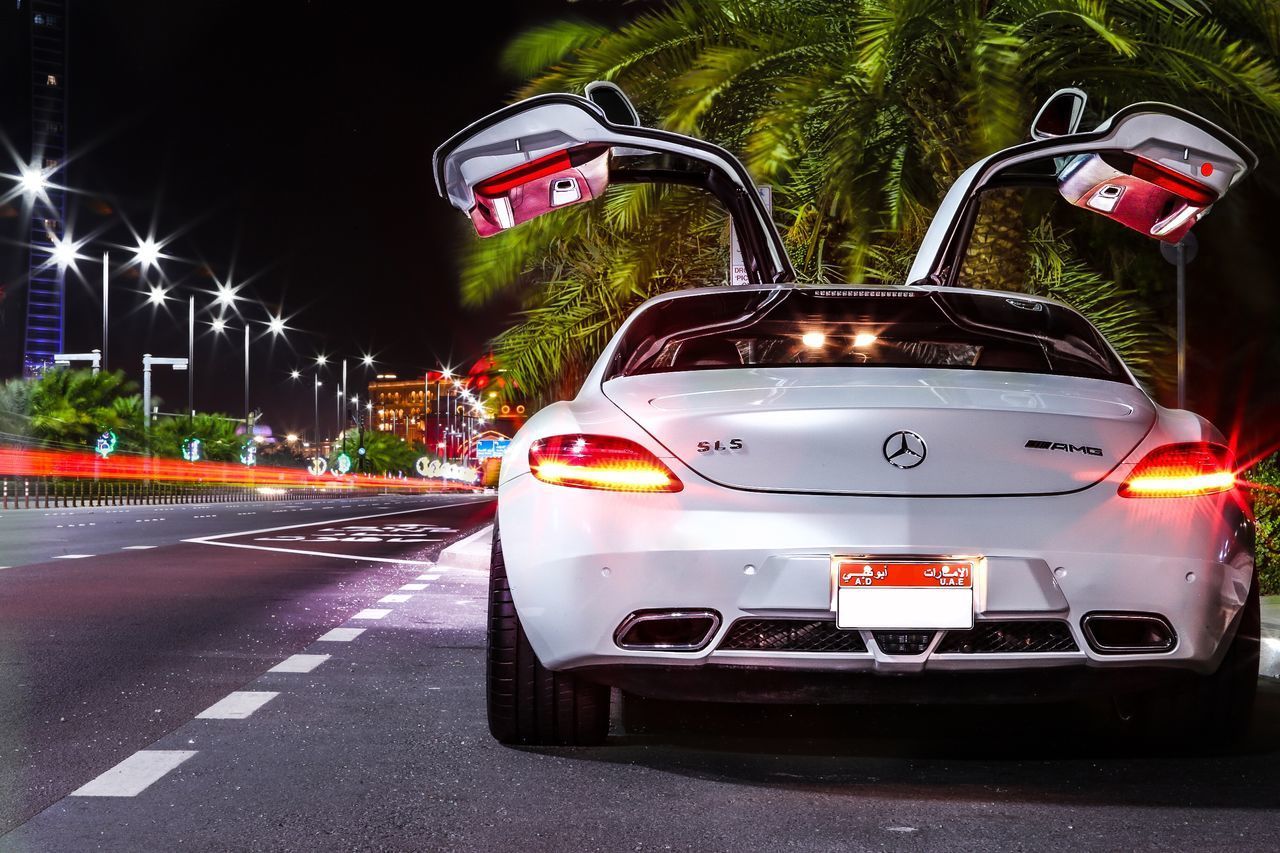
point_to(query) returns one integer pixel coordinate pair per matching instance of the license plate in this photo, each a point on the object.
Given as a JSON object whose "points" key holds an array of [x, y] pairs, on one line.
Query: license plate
{"points": [[880, 594]]}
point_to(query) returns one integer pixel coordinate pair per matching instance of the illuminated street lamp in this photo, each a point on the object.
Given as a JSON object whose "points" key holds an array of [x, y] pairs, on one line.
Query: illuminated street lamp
{"points": [[147, 253], [33, 181], [157, 295], [226, 295]]}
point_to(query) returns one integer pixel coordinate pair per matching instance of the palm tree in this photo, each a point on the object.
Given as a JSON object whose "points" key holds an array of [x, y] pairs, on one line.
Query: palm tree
{"points": [[70, 408], [217, 434], [384, 453], [860, 113]]}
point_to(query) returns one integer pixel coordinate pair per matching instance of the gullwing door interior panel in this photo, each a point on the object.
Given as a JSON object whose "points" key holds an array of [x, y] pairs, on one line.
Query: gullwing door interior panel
{"points": [[554, 151], [1154, 168]]}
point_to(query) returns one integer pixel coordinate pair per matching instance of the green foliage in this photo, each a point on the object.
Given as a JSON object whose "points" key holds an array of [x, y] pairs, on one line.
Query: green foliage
{"points": [[15, 409], [384, 453], [1266, 507], [216, 432], [1057, 271], [69, 408], [860, 113]]}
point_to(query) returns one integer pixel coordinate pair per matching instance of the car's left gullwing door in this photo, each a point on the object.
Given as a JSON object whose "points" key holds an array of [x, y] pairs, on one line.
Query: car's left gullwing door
{"points": [[557, 150], [1154, 168]]}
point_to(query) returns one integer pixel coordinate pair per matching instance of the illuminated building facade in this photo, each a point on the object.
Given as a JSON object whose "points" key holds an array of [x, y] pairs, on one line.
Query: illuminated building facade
{"points": [[400, 406], [477, 403], [46, 207]]}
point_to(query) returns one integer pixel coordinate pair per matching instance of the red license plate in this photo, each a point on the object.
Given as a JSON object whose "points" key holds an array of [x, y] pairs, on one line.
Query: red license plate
{"points": [[852, 573]]}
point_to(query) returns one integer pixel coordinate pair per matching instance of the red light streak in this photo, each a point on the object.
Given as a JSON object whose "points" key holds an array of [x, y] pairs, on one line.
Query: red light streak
{"points": [[25, 462]]}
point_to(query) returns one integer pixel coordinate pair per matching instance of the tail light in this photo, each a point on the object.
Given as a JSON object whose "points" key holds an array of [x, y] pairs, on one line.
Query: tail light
{"points": [[1182, 471], [600, 462]]}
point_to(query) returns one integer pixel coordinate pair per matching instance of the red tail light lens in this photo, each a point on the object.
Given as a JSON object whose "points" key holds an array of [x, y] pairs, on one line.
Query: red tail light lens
{"points": [[600, 462], [1182, 471], [527, 173]]}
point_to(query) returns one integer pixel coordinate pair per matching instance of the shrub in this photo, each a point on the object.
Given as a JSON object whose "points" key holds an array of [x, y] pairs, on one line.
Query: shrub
{"points": [[1266, 506]]}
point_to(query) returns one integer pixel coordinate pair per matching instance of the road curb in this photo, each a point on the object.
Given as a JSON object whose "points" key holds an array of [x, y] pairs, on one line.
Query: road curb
{"points": [[1271, 616], [469, 553]]}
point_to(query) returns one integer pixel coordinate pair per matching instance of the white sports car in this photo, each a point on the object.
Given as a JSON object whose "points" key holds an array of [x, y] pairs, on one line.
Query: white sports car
{"points": [[781, 493]]}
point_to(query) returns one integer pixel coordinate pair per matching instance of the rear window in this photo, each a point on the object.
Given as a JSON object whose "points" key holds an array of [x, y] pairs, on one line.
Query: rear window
{"points": [[817, 327]]}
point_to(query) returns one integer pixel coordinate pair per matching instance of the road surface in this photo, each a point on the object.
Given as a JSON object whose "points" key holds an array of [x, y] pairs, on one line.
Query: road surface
{"points": [[197, 696]]}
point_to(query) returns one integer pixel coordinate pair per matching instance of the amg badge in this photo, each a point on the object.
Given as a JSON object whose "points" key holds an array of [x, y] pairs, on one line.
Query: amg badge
{"points": [[1036, 444]]}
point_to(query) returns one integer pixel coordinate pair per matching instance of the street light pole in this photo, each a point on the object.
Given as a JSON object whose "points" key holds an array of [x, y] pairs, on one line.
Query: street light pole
{"points": [[248, 430], [1181, 261], [191, 359], [106, 295], [315, 400]]}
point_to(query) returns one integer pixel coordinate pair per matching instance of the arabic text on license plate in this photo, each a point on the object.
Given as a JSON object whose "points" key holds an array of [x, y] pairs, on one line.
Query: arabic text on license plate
{"points": [[879, 594]]}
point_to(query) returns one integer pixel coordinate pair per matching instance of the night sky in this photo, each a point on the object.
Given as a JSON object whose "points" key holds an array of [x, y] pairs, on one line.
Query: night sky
{"points": [[288, 141]]}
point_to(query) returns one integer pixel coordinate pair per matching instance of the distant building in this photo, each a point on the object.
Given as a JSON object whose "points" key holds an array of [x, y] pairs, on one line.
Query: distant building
{"points": [[410, 409], [46, 208], [400, 406]]}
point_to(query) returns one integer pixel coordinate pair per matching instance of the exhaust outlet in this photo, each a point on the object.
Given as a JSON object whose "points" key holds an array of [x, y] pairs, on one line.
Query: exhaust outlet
{"points": [[1128, 633], [667, 630]]}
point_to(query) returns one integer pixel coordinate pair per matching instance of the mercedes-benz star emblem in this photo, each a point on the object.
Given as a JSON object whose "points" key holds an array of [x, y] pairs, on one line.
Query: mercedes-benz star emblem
{"points": [[905, 449]]}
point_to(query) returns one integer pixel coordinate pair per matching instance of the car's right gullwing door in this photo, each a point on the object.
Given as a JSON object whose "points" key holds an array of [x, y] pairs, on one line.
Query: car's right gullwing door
{"points": [[1154, 168]]}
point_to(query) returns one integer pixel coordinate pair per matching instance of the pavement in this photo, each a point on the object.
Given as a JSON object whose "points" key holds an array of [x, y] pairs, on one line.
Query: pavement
{"points": [[472, 552], [329, 696]]}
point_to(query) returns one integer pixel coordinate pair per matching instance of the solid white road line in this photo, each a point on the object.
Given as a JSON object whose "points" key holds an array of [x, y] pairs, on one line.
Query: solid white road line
{"points": [[135, 774], [138, 547], [394, 599], [414, 587], [299, 663], [73, 556], [371, 613], [237, 705], [341, 635]]}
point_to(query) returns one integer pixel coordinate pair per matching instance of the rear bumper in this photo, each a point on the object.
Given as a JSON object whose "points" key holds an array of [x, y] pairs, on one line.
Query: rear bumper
{"points": [[580, 562]]}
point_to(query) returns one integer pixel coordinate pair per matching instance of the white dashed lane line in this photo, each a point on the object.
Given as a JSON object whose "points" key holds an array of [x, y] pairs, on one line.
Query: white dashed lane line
{"points": [[73, 556], [413, 587], [431, 577], [341, 635], [237, 706], [135, 774], [138, 547], [395, 598], [371, 613], [299, 663]]}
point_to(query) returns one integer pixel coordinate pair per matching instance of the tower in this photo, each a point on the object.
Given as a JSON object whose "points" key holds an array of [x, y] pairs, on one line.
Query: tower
{"points": [[47, 209]]}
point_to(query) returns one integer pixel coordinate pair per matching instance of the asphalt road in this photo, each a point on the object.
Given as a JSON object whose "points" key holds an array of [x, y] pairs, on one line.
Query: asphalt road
{"points": [[377, 740], [101, 655], [36, 535]]}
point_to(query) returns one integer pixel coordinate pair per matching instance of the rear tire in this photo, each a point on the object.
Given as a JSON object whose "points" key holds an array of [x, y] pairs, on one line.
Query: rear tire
{"points": [[1215, 711], [1227, 697], [529, 704]]}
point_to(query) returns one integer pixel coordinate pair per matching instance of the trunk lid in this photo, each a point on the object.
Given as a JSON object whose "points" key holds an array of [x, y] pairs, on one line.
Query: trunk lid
{"points": [[834, 429]]}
